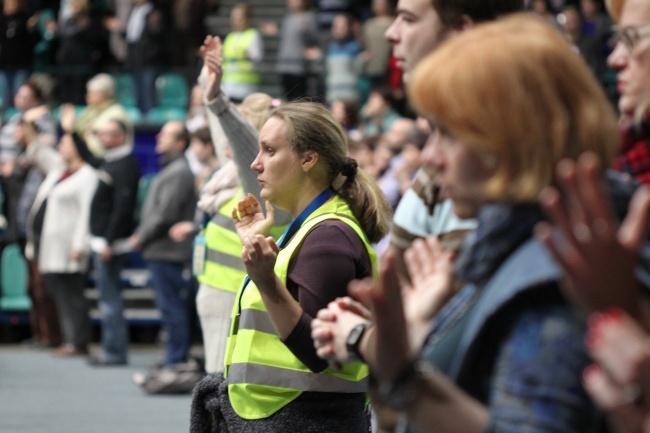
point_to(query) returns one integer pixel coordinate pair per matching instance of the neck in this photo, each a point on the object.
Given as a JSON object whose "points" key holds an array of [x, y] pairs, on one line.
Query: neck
{"points": [[304, 200], [75, 165]]}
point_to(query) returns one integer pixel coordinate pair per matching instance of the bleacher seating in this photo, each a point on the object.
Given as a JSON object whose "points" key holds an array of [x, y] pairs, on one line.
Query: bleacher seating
{"points": [[13, 278], [172, 91]]}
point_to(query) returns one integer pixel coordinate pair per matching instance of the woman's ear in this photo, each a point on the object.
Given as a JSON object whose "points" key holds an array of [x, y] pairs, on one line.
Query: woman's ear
{"points": [[309, 160]]}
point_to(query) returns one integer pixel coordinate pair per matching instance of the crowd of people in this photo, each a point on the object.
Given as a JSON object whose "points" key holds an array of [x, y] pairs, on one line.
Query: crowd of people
{"points": [[473, 260]]}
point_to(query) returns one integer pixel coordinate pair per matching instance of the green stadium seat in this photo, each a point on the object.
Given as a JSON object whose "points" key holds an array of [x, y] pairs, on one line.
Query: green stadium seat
{"points": [[159, 115], [13, 277], [125, 90], [172, 91]]}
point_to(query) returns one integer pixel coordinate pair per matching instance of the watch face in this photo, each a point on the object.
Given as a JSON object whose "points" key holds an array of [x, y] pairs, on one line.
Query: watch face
{"points": [[354, 338]]}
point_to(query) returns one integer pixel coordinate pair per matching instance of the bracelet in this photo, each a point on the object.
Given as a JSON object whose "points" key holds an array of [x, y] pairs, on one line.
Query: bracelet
{"points": [[403, 391]]}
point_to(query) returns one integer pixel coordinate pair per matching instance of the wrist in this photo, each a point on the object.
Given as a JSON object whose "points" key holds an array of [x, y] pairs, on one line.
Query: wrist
{"points": [[404, 390], [354, 341]]}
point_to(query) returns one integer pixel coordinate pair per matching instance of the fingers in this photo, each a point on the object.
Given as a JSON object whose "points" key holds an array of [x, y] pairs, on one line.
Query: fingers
{"points": [[325, 315], [348, 304], [361, 290], [634, 228], [620, 346], [248, 206], [602, 388], [235, 215], [257, 246]]}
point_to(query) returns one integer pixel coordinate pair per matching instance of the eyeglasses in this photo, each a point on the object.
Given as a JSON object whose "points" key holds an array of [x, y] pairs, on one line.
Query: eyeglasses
{"points": [[630, 36]]}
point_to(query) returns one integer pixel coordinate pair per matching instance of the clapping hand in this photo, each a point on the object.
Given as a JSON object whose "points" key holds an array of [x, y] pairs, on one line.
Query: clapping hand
{"points": [[597, 254]]}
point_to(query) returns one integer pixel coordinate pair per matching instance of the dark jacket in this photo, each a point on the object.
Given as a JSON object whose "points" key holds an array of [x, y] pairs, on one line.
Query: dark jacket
{"points": [[17, 42], [112, 213], [171, 199], [149, 50]]}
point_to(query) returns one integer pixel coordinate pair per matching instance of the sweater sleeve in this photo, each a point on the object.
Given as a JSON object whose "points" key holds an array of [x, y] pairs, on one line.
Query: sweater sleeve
{"points": [[314, 285], [242, 138]]}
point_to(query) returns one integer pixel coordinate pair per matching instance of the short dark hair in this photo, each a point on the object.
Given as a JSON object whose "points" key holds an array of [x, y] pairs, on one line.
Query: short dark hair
{"points": [[35, 88], [184, 135], [451, 12], [202, 134]]}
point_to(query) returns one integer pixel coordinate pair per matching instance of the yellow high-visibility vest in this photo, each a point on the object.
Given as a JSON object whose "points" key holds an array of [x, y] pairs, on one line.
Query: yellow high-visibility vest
{"points": [[237, 67], [263, 374], [224, 268]]}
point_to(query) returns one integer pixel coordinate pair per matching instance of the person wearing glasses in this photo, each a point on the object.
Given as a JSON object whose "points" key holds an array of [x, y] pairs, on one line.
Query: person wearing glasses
{"points": [[506, 353], [631, 59]]}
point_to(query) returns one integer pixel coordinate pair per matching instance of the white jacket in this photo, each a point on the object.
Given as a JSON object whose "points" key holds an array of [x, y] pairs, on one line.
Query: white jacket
{"points": [[66, 226]]}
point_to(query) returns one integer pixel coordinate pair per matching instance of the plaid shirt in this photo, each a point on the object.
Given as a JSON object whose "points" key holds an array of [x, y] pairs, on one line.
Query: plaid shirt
{"points": [[634, 158]]}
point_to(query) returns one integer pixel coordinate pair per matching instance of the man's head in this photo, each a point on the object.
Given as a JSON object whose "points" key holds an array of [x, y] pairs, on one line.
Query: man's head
{"points": [[172, 139], [399, 132], [421, 25], [112, 134], [201, 145], [100, 89]]}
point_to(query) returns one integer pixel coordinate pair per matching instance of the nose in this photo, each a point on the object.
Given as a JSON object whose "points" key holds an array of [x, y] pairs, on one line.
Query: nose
{"points": [[391, 33], [431, 155], [619, 57], [256, 165]]}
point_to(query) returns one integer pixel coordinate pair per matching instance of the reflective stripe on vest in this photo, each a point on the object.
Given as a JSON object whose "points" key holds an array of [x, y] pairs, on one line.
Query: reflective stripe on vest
{"points": [[283, 378], [224, 267], [237, 68], [263, 374]]}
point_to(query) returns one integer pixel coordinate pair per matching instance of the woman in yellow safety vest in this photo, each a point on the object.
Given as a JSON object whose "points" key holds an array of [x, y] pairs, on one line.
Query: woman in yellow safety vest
{"points": [[274, 379]]}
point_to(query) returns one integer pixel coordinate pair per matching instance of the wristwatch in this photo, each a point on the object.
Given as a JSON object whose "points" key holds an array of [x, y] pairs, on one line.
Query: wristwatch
{"points": [[401, 393], [354, 339]]}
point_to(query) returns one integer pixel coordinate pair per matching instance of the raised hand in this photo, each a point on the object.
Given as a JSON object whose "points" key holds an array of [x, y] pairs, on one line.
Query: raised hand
{"points": [[431, 270], [211, 51], [596, 253], [391, 347], [67, 115], [249, 218]]}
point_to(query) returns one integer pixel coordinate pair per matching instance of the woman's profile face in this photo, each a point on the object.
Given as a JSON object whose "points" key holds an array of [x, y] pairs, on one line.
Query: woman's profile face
{"points": [[67, 148], [461, 172], [633, 66], [278, 167]]}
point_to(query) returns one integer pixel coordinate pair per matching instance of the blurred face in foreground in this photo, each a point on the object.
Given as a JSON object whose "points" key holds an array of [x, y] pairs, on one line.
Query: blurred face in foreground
{"points": [[631, 57], [461, 172]]}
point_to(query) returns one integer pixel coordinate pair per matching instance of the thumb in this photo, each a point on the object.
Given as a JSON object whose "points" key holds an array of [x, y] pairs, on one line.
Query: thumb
{"points": [[634, 227], [270, 211]]}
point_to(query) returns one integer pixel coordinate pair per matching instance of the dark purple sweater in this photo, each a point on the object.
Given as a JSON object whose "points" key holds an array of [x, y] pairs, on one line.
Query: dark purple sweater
{"points": [[331, 256]]}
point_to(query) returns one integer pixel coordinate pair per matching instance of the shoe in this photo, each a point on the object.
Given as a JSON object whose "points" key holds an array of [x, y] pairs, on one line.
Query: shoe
{"points": [[96, 361], [68, 350], [34, 344]]}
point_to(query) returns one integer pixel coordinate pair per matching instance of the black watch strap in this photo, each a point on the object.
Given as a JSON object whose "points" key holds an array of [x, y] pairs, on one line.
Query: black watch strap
{"points": [[354, 340]]}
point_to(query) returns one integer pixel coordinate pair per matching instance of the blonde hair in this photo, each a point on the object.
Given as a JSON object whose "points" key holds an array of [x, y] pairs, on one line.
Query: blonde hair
{"points": [[515, 91], [256, 108], [312, 127]]}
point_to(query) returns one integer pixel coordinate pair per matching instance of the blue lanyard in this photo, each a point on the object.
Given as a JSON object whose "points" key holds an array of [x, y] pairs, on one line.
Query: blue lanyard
{"points": [[300, 219], [291, 230]]}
